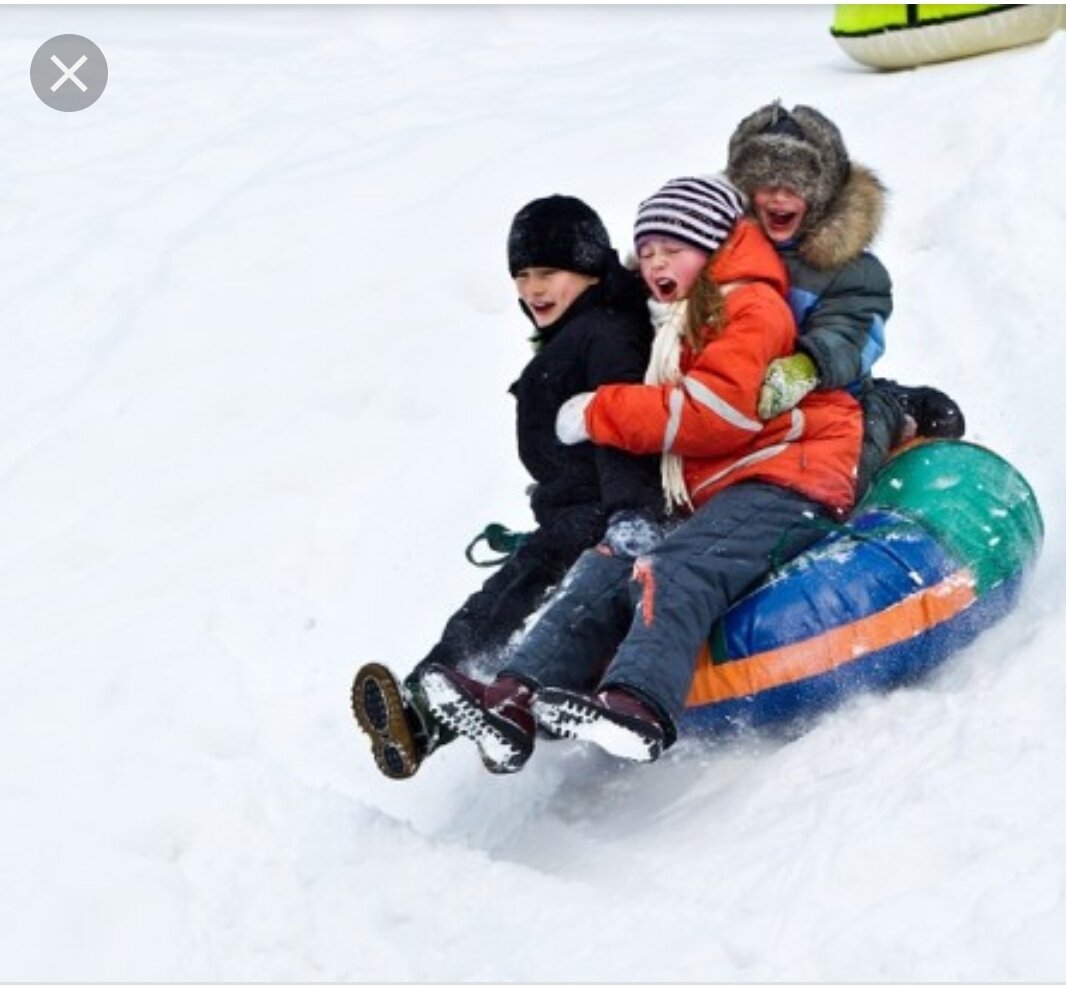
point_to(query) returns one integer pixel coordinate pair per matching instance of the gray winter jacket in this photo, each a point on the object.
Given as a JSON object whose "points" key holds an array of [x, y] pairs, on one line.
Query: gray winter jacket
{"points": [[840, 293]]}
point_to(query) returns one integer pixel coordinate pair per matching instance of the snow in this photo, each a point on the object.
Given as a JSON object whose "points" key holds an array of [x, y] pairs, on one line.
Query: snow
{"points": [[258, 334]]}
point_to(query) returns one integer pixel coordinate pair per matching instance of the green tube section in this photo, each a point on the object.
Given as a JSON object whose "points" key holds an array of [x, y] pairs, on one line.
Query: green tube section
{"points": [[975, 503]]}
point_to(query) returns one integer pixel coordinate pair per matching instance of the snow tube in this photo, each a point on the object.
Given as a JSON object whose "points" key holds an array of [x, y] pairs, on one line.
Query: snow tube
{"points": [[896, 36], [933, 555]]}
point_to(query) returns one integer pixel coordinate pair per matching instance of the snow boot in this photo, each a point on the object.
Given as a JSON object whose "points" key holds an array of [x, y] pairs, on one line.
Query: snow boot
{"points": [[495, 715], [614, 719], [387, 714], [934, 414]]}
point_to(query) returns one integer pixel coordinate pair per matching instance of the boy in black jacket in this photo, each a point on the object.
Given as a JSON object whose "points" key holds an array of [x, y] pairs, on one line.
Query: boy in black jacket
{"points": [[591, 328]]}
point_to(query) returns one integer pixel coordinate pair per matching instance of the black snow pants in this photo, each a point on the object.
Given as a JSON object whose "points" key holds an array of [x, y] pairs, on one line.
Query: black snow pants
{"points": [[482, 626], [882, 419], [640, 625]]}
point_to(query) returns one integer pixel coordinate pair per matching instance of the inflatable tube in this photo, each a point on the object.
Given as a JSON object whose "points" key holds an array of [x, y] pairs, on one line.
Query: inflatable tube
{"points": [[934, 554], [896, 36]]}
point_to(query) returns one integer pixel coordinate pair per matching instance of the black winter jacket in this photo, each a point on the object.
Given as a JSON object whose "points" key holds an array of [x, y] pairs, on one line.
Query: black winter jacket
{"points": [[604, 337]]}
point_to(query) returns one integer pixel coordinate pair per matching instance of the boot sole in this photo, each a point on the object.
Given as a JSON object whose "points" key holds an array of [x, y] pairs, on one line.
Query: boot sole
{"points": [[378, 706], [568, 714], [504, 747]]}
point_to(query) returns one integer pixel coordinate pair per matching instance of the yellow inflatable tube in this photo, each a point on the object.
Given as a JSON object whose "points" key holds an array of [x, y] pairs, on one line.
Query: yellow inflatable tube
{"points": [[897, 35]]}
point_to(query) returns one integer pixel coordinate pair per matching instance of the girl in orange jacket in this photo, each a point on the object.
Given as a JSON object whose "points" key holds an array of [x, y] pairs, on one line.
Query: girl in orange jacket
{"points": [[742, 495]]}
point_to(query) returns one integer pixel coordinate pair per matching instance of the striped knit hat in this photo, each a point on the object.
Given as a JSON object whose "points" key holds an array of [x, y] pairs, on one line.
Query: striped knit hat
{"points": [[700, 211]]}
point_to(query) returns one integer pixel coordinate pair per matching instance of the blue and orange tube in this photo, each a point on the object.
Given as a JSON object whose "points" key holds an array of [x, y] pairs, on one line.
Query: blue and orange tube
{"points": [[935, 553]]}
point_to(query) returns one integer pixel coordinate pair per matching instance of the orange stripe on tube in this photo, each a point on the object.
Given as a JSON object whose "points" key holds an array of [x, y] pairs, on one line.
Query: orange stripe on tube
{"points": [[833, 648]]}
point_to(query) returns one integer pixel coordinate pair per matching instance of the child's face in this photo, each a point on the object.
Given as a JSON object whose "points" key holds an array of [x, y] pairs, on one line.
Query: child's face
{"points": [[549, 292], [780, 212], [669, 267]]}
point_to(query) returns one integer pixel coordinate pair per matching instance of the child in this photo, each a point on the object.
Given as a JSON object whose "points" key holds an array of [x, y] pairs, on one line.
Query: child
{"points": [[747, 492], [590, 327], [822, 211]]}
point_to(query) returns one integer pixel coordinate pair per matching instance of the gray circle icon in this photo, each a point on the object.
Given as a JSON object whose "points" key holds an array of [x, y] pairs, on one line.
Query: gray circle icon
{"points": [[68, 72]]}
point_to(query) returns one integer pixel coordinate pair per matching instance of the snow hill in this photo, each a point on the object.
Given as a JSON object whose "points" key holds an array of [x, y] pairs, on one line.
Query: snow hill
{"points": [[256, 341]]}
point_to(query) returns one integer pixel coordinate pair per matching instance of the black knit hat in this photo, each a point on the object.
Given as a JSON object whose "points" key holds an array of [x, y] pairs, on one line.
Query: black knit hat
{"points": [[799, 148], [561, 232]]}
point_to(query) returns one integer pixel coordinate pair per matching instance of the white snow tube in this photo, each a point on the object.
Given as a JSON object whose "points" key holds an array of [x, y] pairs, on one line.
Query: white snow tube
{"points": [[897, 36]]}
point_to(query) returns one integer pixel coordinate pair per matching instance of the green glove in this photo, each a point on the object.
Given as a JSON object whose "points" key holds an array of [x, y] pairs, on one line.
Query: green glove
{"points": [[788, 381]]}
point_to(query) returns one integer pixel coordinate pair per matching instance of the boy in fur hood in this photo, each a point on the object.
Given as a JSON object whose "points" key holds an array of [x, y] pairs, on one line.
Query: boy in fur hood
{"points": [[822, 212]]}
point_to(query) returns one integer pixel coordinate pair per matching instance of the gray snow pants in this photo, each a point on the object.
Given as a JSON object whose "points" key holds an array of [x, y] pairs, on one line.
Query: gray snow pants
{"points": [[640, 625]]}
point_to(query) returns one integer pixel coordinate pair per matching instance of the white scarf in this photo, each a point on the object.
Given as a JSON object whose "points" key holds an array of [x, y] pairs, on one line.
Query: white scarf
{"points": [[664, 367]]}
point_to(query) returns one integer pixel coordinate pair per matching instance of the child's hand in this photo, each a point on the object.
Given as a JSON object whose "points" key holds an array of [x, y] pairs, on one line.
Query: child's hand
{"points": [[570, 421], [788, 381], [632, 533]]}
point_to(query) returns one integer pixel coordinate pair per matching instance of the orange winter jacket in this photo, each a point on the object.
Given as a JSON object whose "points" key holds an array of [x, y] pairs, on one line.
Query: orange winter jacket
{"points": [[710, 418]]}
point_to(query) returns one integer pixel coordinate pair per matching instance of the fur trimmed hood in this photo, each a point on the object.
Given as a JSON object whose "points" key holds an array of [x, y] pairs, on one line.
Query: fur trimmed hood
{"points": [[849, 225]]}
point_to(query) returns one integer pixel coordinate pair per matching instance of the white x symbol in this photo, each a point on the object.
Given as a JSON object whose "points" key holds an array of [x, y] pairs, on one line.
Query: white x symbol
{"points": [[69, 73]]}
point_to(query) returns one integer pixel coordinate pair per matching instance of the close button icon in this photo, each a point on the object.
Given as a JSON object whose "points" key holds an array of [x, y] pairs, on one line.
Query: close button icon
{"points": [[68, 72]]}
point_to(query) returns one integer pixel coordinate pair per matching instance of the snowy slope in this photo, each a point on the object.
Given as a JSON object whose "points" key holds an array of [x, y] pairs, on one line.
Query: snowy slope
{"points": [[257, 337]]}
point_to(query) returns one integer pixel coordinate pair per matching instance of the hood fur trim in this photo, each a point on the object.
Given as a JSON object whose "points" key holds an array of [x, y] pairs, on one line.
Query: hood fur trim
{"points": [[850, 224]]}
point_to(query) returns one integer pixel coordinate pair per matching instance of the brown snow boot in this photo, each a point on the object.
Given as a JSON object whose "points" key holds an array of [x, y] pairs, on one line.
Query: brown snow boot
{"points": [[495, 715], [620, 722]]}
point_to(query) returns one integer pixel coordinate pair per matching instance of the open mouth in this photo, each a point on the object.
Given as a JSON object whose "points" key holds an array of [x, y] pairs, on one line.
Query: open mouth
{"points": [[665, 289], [541, 309], [780, 221]]}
